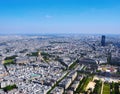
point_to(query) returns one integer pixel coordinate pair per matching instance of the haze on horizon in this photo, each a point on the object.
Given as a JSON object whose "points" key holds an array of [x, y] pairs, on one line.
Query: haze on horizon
{"points": [[59, 16]]}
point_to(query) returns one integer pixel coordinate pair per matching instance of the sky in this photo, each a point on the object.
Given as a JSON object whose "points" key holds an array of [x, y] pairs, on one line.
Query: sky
{"points": [[59, 16]]}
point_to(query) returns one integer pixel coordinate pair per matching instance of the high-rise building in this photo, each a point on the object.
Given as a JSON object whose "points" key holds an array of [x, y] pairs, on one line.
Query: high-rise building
{"points": [[103, 40]]}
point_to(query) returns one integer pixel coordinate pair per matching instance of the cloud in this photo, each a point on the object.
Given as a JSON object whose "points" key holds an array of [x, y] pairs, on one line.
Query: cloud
{"points": [[48, 16]]}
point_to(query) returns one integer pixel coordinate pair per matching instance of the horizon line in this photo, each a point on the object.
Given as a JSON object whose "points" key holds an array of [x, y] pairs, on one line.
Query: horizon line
{"points": [[59, 34]]}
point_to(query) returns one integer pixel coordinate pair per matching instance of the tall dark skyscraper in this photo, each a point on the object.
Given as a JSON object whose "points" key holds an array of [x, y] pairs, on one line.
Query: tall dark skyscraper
{"points": [[103, 40]]}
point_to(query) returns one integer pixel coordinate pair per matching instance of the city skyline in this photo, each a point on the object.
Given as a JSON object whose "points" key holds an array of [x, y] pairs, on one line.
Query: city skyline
{"points": [[60, 17]]}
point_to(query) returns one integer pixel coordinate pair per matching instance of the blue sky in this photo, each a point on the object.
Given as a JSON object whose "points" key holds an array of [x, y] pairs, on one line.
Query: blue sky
{"points": [[59, 16]]}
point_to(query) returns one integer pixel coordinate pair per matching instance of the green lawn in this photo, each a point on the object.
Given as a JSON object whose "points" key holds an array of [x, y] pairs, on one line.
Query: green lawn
{"points": [[112, 87], [33, 54], [83, 84], [80, 84], [11, 57], [74, 64], [116, 88], [57, 83], [86, 83], [97, 89], [10, 87], [7, 62], [106, 88]]}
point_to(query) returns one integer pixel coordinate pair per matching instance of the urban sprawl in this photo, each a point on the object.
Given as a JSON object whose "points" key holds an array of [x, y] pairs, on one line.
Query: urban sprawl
{"points": [[60, 64]]}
